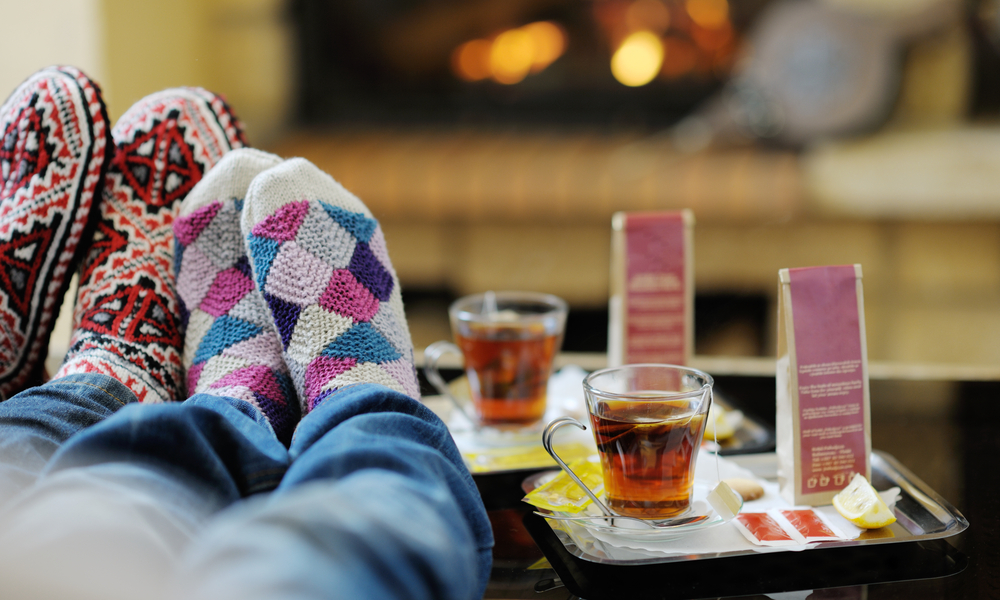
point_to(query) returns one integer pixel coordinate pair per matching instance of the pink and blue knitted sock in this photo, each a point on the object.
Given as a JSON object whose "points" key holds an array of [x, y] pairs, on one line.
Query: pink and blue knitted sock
{"points": [[230, 346], [319, 257]]}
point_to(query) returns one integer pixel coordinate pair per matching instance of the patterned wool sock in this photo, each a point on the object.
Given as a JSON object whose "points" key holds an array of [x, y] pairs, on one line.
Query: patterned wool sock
{"points": [[320, 260], [54, 137], [230, 348], [126, 316]]}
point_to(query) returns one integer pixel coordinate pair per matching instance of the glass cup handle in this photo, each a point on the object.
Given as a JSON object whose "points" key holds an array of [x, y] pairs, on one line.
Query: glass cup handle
{"points": [[432, 355], [550, 430]]}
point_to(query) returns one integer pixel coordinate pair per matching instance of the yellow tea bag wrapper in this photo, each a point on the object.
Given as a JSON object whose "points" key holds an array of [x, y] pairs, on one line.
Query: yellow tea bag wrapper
{"points": [[528, 456], [562, 494]]}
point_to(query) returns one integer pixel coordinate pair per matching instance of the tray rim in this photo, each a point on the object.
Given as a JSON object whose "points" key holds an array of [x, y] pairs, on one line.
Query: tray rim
{"points": [[904, 478]]}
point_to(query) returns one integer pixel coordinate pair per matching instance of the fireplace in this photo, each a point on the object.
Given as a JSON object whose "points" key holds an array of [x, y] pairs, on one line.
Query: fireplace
{"points": [[604, 63]]}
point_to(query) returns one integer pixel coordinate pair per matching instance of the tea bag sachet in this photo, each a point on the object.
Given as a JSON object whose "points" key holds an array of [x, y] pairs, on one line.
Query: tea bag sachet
{"points": [[562, 494], [652, 288], [823, 417]]}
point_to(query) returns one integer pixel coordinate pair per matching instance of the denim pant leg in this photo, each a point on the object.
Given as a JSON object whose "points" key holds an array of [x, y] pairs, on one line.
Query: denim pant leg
{"points": [[37, 421], [223, 448], [119, 502], [377, 504]]}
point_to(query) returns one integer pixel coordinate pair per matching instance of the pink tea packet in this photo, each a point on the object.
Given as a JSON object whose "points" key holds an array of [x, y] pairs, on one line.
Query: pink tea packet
{"points": [[822, 420], [651, 307]]}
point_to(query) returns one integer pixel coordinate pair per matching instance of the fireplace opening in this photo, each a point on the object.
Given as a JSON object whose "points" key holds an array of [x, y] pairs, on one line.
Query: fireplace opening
{"points": [[509, 62]]}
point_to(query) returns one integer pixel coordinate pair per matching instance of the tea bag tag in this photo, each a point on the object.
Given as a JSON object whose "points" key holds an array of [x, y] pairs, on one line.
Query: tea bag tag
{"points": [[725, 501]]}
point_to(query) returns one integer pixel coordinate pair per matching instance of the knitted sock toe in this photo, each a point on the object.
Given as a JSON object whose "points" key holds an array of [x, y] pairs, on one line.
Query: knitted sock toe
{"points": [[54, 137], [126, 317], [230, 347], [320, 259]]}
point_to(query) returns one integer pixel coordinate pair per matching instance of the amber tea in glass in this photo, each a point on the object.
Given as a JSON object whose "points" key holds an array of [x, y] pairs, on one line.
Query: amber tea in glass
{"points": [[508, 341], [508, 369], [648, 423]]}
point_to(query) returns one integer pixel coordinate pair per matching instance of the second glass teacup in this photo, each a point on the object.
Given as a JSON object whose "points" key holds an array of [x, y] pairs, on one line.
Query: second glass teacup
{"points": [[509, 341]]}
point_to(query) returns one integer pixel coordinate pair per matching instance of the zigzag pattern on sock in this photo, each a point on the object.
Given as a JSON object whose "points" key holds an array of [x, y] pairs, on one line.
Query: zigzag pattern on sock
{"points": [[126, 309], [230, 347], [54, 140], [323, 268]]}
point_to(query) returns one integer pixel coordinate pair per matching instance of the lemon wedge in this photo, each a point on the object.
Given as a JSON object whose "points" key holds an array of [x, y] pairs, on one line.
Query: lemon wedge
{"points": [[718, 426], [860, 504]]}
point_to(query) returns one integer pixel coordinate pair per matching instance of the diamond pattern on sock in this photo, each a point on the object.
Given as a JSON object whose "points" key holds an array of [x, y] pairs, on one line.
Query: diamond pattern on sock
{"points": [[308, 240], [224, 332], [370, 271], [284, 223], [329, 242], [347, 296], [315, 327], [297, 277], [55, 143], [231, 348], [165, 144]]}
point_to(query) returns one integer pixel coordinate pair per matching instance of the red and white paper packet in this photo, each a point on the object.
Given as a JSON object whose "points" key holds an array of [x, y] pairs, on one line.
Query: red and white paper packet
{"points": [[788, 527]]}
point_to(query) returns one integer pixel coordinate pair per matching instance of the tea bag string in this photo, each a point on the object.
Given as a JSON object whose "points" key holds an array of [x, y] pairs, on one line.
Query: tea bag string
{"points": [[715, 436], [489, 303]]}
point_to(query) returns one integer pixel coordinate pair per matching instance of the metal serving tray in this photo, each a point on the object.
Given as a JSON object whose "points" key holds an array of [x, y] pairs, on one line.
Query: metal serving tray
{"points": [[920, 512]]}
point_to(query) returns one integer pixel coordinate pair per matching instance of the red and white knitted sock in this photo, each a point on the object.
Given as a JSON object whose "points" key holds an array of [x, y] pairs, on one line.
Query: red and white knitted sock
{"points": [[126, 321], [54, 139]]}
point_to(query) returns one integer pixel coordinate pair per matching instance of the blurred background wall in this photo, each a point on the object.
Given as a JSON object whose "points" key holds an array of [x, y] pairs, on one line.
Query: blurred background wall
{"points": [[242, 48], [790, 150]]}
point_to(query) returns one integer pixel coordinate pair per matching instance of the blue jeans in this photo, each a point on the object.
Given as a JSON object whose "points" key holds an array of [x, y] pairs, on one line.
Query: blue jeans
{"points": [[371, 499]]}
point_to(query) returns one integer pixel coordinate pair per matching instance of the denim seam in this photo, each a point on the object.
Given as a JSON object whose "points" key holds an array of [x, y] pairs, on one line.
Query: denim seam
{"points": [[264, 472], [264, 480], [267, 475], [90, 385], [264, 486]]}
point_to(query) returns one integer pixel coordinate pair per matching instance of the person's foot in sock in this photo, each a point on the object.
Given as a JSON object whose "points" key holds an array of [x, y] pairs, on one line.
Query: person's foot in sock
{"points": [[126, 317], [230, 347], [54, 140], [320, 260]]}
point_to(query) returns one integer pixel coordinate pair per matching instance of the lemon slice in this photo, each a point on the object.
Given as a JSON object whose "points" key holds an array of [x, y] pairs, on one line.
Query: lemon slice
{"points": [[718, 427], [860, 504]]}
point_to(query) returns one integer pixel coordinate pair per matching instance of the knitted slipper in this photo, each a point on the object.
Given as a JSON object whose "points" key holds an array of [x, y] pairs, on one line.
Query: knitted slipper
{"points": [[230, 347], [320, 260], [126, 316], [54, 138]]}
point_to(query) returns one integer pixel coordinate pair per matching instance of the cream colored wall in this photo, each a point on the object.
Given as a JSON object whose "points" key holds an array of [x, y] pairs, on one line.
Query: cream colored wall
{"points": [[45, 32], [240, 49]]}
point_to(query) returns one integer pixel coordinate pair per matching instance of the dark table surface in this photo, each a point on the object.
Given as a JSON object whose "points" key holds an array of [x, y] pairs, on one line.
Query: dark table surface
{"points": [[947, 433]]}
